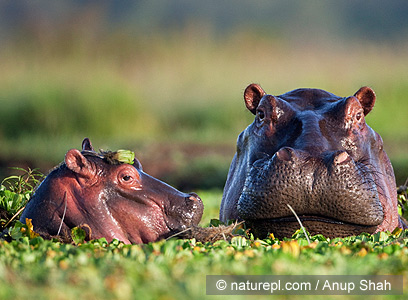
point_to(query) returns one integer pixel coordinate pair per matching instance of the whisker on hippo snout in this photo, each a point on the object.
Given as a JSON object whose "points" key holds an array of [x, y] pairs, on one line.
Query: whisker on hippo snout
{"points": [[264, 154], [300, 223], [372, 177], [63, 215]]}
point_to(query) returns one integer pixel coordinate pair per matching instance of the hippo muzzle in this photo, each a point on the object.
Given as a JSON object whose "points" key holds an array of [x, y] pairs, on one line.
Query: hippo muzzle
{"points": [[320, 190]]}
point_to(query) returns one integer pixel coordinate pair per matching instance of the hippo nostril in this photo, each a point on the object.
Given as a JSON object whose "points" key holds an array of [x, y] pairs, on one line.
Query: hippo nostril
{"points": [[285, 154], [194, 197], [341, 158]]}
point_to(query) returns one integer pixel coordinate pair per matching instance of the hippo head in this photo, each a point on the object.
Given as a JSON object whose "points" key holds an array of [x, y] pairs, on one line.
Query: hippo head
{"points": [[113, 199], [311, 150]]}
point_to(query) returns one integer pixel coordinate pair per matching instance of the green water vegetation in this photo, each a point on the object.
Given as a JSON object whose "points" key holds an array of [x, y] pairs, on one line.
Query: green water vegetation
{"points": [[174, 269], [15, 191]]}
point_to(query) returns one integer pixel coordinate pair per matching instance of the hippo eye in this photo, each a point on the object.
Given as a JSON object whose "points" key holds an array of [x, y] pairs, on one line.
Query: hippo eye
{"points": [[260, 114], [129, 178], [126, 178]]}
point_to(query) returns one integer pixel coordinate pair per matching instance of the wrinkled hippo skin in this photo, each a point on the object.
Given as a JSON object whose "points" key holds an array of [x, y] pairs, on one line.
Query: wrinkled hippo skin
{"points": [[314, 151], [115, 200]]}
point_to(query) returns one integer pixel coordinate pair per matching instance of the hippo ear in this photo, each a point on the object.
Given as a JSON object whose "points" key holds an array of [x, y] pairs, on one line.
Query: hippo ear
{"points": [[252, 96], [78, 163], [137, 164], [86, 145], [366, 96]]}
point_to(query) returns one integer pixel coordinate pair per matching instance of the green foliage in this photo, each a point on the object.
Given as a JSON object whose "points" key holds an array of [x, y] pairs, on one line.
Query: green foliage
{"points": [[175, 269], [20, 230], [78, 235], [403, 200], [12, 201], [15, 191]]}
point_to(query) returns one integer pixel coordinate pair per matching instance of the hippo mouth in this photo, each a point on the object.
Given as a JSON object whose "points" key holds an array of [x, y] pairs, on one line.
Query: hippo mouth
{"points": [[310, 219], [286, 226]]}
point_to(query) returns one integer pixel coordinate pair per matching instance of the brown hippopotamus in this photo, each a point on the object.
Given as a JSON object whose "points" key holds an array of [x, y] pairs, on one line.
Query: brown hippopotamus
{"points": [[113, 199], [314, 151]]}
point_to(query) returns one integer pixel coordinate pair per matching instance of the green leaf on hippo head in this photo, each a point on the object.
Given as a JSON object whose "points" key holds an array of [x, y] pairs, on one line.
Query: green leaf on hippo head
{"points": [[78, 235], [125, 156]]}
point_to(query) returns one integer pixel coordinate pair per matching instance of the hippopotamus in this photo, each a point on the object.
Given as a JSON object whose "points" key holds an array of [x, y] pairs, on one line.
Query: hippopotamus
{"points": [[311, 151], [113, 199]]}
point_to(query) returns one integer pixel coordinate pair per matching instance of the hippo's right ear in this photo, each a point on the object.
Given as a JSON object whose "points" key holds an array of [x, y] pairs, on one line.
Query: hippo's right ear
{"points": [[86, 145], [252, 96], [78, 163]]}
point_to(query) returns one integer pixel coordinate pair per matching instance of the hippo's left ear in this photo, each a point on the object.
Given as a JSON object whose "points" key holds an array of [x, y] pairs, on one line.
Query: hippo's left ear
{"points": [[366, 96], [78, 163]]}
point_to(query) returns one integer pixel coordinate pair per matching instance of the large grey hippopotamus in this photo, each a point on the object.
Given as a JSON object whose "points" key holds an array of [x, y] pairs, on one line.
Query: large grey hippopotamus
{"points": [[115, 200], [311, 150]]}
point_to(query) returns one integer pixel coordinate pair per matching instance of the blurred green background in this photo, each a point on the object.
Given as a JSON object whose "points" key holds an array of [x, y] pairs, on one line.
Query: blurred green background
{"points": [[166, 78]]}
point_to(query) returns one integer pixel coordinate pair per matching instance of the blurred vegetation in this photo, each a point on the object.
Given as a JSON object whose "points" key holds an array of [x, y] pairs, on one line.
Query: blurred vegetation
{"points": [[177, 269], [80, 76]]}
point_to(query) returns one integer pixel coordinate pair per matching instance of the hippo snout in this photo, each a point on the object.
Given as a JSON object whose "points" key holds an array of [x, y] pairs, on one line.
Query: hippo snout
{"points": [[181, 215], [197, 207], [194, 197], [330, 188]]}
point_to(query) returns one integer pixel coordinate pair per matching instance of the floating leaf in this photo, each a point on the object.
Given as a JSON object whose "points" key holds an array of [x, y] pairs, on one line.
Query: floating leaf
{"points": [[17, 230], [78, 235], [215, 223], [291, 247], [397, 232], [380, 236], [31, 233]]}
